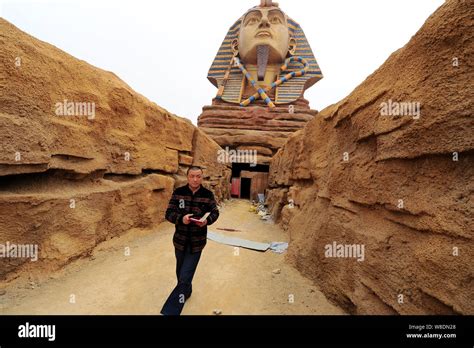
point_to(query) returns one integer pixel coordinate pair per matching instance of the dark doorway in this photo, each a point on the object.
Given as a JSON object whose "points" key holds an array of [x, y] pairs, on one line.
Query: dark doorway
{"points": [[245, 188], [248, 181]]}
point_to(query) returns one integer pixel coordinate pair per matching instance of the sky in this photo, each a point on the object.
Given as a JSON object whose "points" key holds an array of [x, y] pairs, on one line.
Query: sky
{"points": [[163, 49]]}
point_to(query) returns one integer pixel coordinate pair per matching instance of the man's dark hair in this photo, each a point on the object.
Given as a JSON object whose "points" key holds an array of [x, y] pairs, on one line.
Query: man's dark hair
{"points": [[193, 168]]}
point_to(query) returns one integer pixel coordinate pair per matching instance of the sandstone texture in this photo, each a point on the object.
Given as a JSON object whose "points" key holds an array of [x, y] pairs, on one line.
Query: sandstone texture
{"points": [[71, 180], [255, 127], [399, 185]]}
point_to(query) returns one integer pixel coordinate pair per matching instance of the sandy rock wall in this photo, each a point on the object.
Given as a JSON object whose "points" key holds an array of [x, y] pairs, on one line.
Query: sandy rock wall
{"points": [[83, 157], [255, 127], [398, 184]]}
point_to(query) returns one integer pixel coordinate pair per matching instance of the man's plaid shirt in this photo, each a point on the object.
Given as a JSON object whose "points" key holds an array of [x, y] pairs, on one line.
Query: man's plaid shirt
{"points": [[184, 202]]}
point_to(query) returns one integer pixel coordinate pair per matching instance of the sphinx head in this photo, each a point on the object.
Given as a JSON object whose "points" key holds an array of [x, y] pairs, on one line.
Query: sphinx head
{"points": [[262, 39], [264, 26]]}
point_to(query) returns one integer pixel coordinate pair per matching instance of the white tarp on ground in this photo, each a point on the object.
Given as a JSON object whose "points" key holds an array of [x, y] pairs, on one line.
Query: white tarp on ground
{"points": [[244, 243]]}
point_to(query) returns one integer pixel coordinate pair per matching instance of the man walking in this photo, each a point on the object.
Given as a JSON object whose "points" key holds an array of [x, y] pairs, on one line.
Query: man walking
{"points": [[188, 203]]}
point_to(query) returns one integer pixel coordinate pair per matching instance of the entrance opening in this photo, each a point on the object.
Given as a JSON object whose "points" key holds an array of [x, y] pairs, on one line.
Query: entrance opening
{"points": [[245, 187], [248, 182]]}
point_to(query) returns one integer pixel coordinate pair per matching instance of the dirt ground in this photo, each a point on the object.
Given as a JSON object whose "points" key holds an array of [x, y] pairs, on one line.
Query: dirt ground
{"points": [[135, 273]]}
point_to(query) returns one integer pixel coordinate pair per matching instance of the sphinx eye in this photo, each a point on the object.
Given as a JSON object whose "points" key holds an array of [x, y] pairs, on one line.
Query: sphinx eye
{"points": [[275, 20], [252, 20]]}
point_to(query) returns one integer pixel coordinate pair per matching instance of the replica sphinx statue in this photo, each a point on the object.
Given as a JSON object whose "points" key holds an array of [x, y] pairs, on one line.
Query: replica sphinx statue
{"points": [[261, 71]]}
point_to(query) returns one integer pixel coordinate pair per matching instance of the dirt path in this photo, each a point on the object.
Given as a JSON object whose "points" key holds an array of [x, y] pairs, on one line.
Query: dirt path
{"points": [[112, 283]]}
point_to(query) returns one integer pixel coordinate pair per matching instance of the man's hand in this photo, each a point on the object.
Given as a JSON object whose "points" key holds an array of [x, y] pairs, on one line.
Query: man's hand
{"points": [[202, 224], [186, 220]]}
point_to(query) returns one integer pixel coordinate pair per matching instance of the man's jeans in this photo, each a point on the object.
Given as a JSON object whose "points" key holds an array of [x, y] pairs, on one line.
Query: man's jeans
{"points": [[186, 264]]}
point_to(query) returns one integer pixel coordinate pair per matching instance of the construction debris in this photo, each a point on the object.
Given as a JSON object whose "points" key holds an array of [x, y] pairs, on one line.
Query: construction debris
{"points": [[260, 208], [279, 247]]}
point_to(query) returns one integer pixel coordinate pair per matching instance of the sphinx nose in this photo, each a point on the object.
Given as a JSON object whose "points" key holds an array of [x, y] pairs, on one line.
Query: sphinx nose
{"points": [[264, 23]]}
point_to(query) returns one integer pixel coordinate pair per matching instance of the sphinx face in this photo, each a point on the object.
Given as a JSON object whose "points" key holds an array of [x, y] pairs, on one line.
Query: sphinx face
{"points": [[264, 27]]}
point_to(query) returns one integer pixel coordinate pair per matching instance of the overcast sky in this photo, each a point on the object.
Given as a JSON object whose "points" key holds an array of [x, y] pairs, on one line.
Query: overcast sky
{"points": [[163, 49]]}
